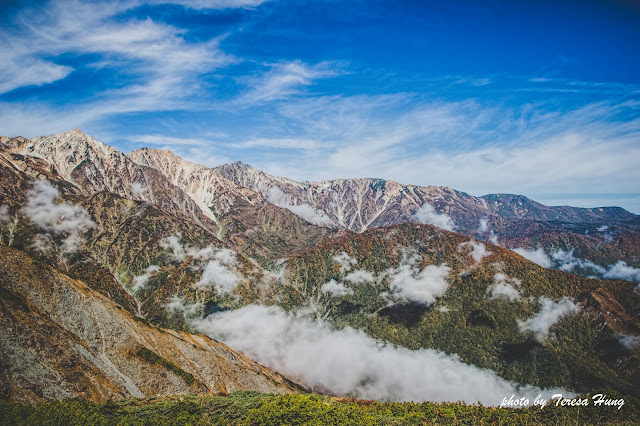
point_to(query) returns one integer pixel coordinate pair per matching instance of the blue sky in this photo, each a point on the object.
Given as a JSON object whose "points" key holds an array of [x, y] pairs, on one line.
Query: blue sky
{"points": [[540, 98]]}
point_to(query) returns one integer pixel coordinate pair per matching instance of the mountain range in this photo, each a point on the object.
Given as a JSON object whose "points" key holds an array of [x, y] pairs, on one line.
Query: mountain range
{"points": [[121, 275]]}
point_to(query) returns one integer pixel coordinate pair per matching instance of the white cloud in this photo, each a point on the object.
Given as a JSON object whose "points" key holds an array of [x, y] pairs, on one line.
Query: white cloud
{"points": [[427, 214], [177, 305], [286, 143], [345, 261], [167, 141], [159, 63], [629, 342], [623, 271], [173, 243], [284, 80], [314, 216], [550, 313], [62, 218], [478, 250], [218, 265], [4, 214], [140, 281], [219, 271], [504, 287], [211, 4], [408, 283], [360, 276], [566, 261], [347, 362], [336, 289], [536, 256], [31, 72], [484, 228], [138, 188]]}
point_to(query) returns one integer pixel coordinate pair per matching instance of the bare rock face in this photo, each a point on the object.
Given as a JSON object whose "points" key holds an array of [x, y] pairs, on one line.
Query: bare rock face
{"points": [[61, 339], [95, 167], [361, 204], [211, 191], [248, 222]]}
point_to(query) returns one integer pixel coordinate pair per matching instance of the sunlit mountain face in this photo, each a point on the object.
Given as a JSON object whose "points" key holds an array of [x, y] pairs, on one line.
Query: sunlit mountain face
{"points": [[279, 212]]}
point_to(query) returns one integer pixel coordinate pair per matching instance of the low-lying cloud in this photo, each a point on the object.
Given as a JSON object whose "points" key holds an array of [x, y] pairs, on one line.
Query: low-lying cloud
{"points": [[484, 228], [345, 261], [336, 289], [550, 313], [537, 256], [410, 284], [218, 265], [173, 243], [274, 195], [140, 281], [360, 276], [138, 188], [621, 270], [63, 219], [176, 305], [347, 362], [629, 342], [504, 287], [4, 214], [567, 261], [478, 250], [427, 215]]}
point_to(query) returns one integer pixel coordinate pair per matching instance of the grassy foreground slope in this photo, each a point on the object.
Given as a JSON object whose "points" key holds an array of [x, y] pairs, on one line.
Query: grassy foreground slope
{"points": [[252, 408]]}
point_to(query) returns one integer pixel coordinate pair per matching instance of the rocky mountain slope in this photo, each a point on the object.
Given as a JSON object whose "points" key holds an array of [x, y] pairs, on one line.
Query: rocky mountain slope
{"points": [[248, 222], [360, 204], [266, 252], [60, 339], [603, 235], [94, 167]]}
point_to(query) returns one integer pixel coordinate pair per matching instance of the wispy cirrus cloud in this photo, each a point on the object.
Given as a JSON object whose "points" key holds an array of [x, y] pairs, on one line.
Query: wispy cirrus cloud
{"points": [[283, 80], [149, 65]]}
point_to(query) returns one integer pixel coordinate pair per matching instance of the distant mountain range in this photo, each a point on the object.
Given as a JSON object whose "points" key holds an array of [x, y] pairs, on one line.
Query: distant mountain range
{"points": [[111, 264]]}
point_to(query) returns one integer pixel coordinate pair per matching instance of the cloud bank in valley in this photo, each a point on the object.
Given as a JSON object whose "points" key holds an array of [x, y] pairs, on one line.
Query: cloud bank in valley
{"points": [[347, 362], [621, 270]]}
